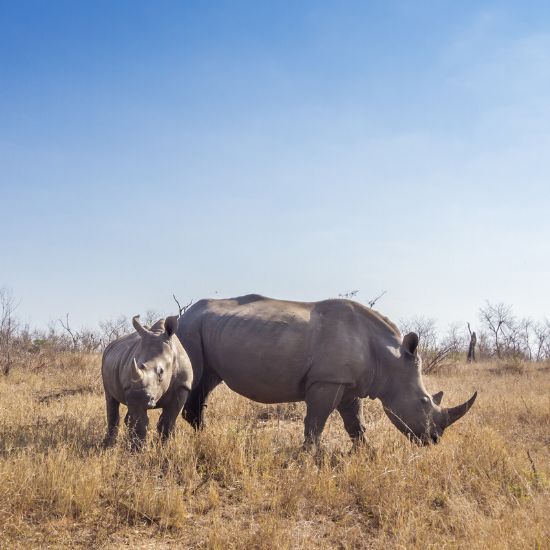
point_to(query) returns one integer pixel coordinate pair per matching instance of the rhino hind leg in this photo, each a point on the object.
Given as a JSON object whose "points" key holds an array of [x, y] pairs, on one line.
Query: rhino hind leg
{"points": [[113, 418], [321, 400], [351, 411], [197, 401], [170, 413]]}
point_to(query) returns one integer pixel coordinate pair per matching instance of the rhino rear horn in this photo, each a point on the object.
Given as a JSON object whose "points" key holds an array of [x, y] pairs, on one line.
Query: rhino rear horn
{"points": [[142, 331], [437, 397], [454, 413]]}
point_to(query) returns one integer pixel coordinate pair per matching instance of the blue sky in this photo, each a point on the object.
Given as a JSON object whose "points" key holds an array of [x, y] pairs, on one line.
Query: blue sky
{"points": [[294, 149]]}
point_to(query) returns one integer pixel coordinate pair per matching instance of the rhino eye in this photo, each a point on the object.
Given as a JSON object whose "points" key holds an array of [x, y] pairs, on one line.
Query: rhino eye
{"points": [[424, 399], [160, 371]]}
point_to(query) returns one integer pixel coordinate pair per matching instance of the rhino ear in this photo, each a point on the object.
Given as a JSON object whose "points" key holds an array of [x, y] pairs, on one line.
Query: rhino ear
{"points": [[410, 343], [171, 325], [437, 397]]}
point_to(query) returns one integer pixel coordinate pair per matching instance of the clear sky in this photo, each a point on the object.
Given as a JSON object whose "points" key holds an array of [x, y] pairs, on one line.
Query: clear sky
{"points": [[294, 149]]}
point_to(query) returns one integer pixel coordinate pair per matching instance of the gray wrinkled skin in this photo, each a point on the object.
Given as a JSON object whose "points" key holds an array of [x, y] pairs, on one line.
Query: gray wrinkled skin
{"points": [[329, 354], [147, 369]]}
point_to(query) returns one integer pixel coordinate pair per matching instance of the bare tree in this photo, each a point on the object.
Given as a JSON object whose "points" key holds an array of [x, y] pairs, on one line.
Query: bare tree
{"points": [[472, 346], [426, 329], [455, 336], [182, 309], [525, 329], [8, 328], [113, 329], [90, 340], [497, 319], [73, 335], [435, 351], [151, 316], [541, 336]]}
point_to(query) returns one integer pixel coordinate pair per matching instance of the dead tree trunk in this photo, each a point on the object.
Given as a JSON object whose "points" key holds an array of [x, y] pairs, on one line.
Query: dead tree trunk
{"points": [[472, 346]]}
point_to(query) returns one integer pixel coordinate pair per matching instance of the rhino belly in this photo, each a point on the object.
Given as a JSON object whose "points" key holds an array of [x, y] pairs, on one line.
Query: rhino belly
{"points": [[264, 391], [267, 376]]}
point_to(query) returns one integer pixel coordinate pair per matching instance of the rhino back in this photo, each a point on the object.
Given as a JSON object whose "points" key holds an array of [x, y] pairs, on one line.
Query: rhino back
{"points": [[271, 350], [116, 362]]}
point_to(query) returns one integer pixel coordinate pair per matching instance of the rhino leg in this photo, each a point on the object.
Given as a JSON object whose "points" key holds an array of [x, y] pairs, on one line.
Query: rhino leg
{"points": [[170, 413], [321, 400], [197, 402], [113, 417], [351, 411], [137, 427]]}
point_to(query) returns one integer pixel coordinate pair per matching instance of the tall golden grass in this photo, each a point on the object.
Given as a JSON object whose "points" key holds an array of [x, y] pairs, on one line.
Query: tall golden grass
{"points": [[244, 483]]}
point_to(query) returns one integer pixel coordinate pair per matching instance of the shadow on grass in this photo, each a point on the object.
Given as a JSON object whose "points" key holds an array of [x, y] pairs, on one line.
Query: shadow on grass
{"points": [[44, 435]]}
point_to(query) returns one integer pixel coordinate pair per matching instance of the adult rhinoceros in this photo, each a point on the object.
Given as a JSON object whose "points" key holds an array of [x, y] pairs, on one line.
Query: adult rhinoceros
{"points": [[147, 369], [329, 354]]}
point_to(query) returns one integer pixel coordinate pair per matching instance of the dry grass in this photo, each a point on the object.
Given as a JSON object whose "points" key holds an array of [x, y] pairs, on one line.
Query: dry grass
{"points": [[242, 483]]}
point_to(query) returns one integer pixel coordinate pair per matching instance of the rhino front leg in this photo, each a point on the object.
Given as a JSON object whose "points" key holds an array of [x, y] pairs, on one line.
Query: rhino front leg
{"points": [[197, 402], [321, 400], [170, 413], [137, 427], [113, 418], [351, 411]]}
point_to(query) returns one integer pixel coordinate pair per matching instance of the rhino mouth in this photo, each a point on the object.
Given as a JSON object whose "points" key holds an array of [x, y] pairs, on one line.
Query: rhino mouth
{"points": [[425, 439]]}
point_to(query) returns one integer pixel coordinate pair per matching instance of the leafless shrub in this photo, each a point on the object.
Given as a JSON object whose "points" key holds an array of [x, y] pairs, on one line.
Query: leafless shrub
{"points": [[426, 329], [371, 303], [350, 294], [182, 309], [500, 323], [151, 316], [113, 329], [541, 337], [8, 328], [435, 353]]}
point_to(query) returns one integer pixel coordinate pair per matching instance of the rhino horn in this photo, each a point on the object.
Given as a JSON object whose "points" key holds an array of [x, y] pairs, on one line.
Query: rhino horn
{"points": [[437, 397], [137, 370], [142, 331], [454, 413]]}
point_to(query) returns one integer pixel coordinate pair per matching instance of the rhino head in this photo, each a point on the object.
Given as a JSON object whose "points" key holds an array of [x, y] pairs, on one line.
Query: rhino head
{"points": [[153, 363], [409, 406]]}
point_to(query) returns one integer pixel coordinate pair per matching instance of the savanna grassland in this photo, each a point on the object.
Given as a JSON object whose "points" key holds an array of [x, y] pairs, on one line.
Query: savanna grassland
{"points": [[243, 482]]}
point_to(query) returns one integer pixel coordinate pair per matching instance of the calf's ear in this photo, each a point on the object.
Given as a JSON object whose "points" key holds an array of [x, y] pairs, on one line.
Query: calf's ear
{"points": [[171, 325], [410, 343]]}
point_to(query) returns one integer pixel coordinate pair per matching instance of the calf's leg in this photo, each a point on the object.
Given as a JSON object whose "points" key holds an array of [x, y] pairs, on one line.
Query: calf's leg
{"points": [[113, 417], [137, 426]]}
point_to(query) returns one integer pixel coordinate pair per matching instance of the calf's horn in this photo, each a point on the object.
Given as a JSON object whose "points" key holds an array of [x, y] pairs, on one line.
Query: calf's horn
{"points": [[142, 331], [454, 413], [137, 370]]}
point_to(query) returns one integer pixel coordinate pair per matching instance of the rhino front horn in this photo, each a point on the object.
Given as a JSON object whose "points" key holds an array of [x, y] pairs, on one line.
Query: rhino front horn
{"points": [[137, 370], [454, 413]]}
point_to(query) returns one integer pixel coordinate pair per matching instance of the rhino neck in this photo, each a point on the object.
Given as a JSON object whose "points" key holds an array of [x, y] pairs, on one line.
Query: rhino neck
{"points": [[379, 371]]}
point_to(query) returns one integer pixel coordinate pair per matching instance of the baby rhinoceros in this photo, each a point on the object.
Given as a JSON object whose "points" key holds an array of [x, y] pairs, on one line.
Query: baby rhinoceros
{"points": [[148, 369]]}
